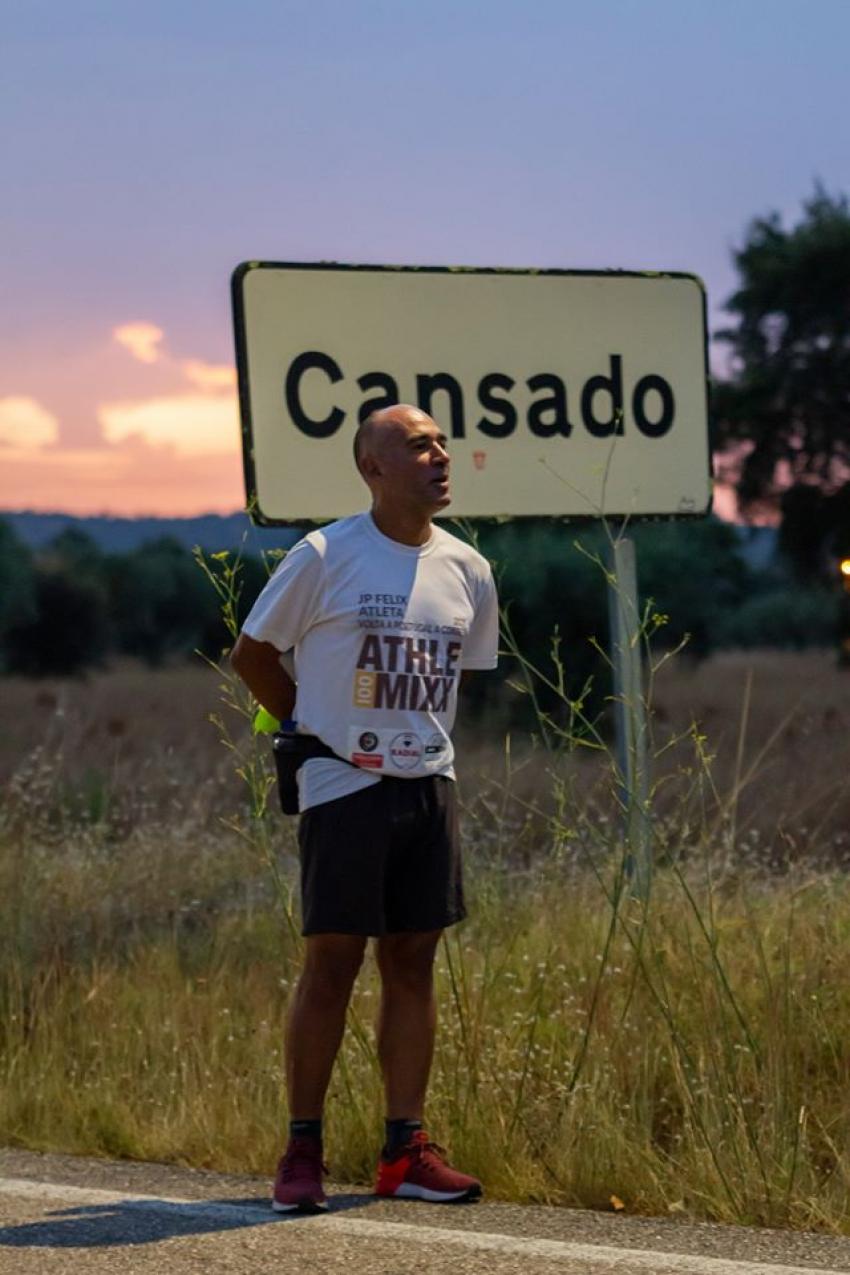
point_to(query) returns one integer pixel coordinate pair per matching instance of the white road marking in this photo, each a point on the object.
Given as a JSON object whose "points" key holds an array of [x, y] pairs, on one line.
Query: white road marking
{"points": [[626, 1259]]}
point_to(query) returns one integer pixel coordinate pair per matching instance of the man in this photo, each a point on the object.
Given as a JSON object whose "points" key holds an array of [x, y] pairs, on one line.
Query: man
{"points": [[383, 610]]}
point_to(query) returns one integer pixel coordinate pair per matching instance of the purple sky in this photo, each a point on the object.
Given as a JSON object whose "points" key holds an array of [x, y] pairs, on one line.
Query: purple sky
{"points": [[147, 149]]}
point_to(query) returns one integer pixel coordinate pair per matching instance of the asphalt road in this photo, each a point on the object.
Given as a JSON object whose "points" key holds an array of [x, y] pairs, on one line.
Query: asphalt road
{"points": [[60, 1213]]}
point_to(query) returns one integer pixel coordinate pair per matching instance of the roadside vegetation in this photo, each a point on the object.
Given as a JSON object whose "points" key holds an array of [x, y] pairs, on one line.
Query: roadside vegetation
{"points": [[70, 608], [689, 1055]]}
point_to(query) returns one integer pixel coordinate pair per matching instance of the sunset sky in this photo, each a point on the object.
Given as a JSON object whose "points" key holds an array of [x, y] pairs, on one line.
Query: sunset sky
{"points": [[146, 149]]}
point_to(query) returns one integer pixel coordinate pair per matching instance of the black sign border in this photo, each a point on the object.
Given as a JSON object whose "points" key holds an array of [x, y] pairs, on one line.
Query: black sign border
{"points": [[238, 310]]}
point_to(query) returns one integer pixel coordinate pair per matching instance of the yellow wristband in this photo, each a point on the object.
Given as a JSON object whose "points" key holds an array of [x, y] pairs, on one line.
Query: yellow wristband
{"points": [[264, 723]]}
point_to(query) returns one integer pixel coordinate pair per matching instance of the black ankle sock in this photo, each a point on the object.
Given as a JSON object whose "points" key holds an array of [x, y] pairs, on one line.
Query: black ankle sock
{"points": [[305, 1129], [399, 1133]]}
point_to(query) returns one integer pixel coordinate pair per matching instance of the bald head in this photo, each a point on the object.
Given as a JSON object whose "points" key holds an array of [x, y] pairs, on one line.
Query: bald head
{"points": [[402, 455], [382, 425]]}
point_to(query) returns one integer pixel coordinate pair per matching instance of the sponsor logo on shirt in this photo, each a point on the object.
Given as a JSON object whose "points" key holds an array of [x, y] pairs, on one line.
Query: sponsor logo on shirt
{"points": [[411, 674], [368, 741], [436, 744], [368, 761], [406, 751]]}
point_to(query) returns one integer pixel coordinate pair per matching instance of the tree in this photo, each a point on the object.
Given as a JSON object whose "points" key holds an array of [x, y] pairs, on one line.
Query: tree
{"points": [[552, 577], [785, 411], [695, 575], [17, 586], [68, 632], [76, 553], [63, 629], [159, 602], [815, 530]]}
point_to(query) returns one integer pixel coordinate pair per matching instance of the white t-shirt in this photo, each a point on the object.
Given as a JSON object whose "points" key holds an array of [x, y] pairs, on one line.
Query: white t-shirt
{"points": [[380, 632]]}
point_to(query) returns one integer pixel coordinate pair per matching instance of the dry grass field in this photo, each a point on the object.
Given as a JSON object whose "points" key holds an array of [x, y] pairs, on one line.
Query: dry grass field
{"points": [[688, 1054], [775, 725]]}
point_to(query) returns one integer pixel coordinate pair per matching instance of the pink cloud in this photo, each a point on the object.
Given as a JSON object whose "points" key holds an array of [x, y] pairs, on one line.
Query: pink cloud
{"points": [[141, 339], [164, 437], [212, 378], [191, 424], [25, 424]]}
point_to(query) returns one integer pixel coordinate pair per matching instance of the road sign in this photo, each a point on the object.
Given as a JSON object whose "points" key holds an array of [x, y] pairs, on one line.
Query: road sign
{"points": [[561, 392]]}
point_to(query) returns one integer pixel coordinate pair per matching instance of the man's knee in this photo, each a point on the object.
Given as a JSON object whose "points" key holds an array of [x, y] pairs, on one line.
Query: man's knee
{"points": [[331, 964], [406, 961]]}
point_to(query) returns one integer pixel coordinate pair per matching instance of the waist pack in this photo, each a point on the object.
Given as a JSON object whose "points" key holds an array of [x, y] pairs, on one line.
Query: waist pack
{"points": [[291, 750]]}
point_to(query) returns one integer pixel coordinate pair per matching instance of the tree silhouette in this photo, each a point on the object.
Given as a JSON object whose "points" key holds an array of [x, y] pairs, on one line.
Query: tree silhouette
{"points": [[787, 403], [17, 586]]}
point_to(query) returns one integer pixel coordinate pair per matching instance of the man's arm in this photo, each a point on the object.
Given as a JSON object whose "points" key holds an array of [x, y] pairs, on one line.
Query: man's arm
{"points": [[259, 666]]}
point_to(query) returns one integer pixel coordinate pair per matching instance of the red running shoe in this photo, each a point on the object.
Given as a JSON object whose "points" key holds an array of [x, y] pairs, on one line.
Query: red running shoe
{"points": [[298, 1185], [419, 1171]]}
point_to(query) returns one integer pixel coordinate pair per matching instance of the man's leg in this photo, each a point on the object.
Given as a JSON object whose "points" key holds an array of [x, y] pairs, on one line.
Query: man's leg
{"points": [[407, 1020], [314, 1031], [411, 1165], [316, 1019]]}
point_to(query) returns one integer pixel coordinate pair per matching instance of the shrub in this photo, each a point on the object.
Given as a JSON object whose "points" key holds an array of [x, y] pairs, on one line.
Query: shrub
{"points": [[790, 619]]}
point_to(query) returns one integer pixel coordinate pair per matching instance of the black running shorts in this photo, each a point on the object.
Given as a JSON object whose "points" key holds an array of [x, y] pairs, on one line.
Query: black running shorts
{"points": [[384, 860]]}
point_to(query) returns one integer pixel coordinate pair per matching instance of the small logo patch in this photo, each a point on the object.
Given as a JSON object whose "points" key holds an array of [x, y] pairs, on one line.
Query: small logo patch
{"points": [[405, 751], [368, 761], [364, 688], [368, 741], [436, 744]]}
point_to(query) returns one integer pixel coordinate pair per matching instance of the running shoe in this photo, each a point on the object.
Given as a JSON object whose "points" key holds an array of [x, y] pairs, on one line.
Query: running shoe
{"points": [[420, 1171], [298, 1185]]}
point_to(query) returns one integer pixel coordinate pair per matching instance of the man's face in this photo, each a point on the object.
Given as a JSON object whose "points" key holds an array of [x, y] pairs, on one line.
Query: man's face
{"points": [[414, 461]]}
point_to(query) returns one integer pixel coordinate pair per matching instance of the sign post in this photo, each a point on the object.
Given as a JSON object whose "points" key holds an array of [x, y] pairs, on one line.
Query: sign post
{"points": [[569, 394], [625, 629]]}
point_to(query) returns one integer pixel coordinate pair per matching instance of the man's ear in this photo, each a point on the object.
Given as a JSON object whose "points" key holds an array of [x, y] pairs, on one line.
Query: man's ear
{"points": [[369, 467]]}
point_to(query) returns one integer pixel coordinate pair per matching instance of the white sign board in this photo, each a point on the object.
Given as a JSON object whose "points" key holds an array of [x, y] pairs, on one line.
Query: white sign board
{"points": [[562, 393]]}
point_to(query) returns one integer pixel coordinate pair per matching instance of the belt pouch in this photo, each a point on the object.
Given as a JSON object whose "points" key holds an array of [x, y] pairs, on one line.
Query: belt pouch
{"points": [[290, 751]]}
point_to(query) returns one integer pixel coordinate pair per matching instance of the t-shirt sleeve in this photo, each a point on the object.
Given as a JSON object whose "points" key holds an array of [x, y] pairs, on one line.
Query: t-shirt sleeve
{"points": [[481, 648], [289, 603]]}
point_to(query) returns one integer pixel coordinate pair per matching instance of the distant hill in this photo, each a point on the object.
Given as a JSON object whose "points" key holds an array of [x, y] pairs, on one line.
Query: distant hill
{"points": [[215, 531], [122, 535]]}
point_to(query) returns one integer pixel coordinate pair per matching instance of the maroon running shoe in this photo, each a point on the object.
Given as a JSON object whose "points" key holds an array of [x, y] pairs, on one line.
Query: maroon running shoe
{"points": [[298, 1185], [420, 1171]]}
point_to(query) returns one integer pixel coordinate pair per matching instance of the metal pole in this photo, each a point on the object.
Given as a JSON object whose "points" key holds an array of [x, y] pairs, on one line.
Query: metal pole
{"points": [[630, 711]]}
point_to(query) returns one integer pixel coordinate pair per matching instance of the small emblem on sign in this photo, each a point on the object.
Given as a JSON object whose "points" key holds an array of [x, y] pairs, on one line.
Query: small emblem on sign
{"points": [[479, 459]]}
